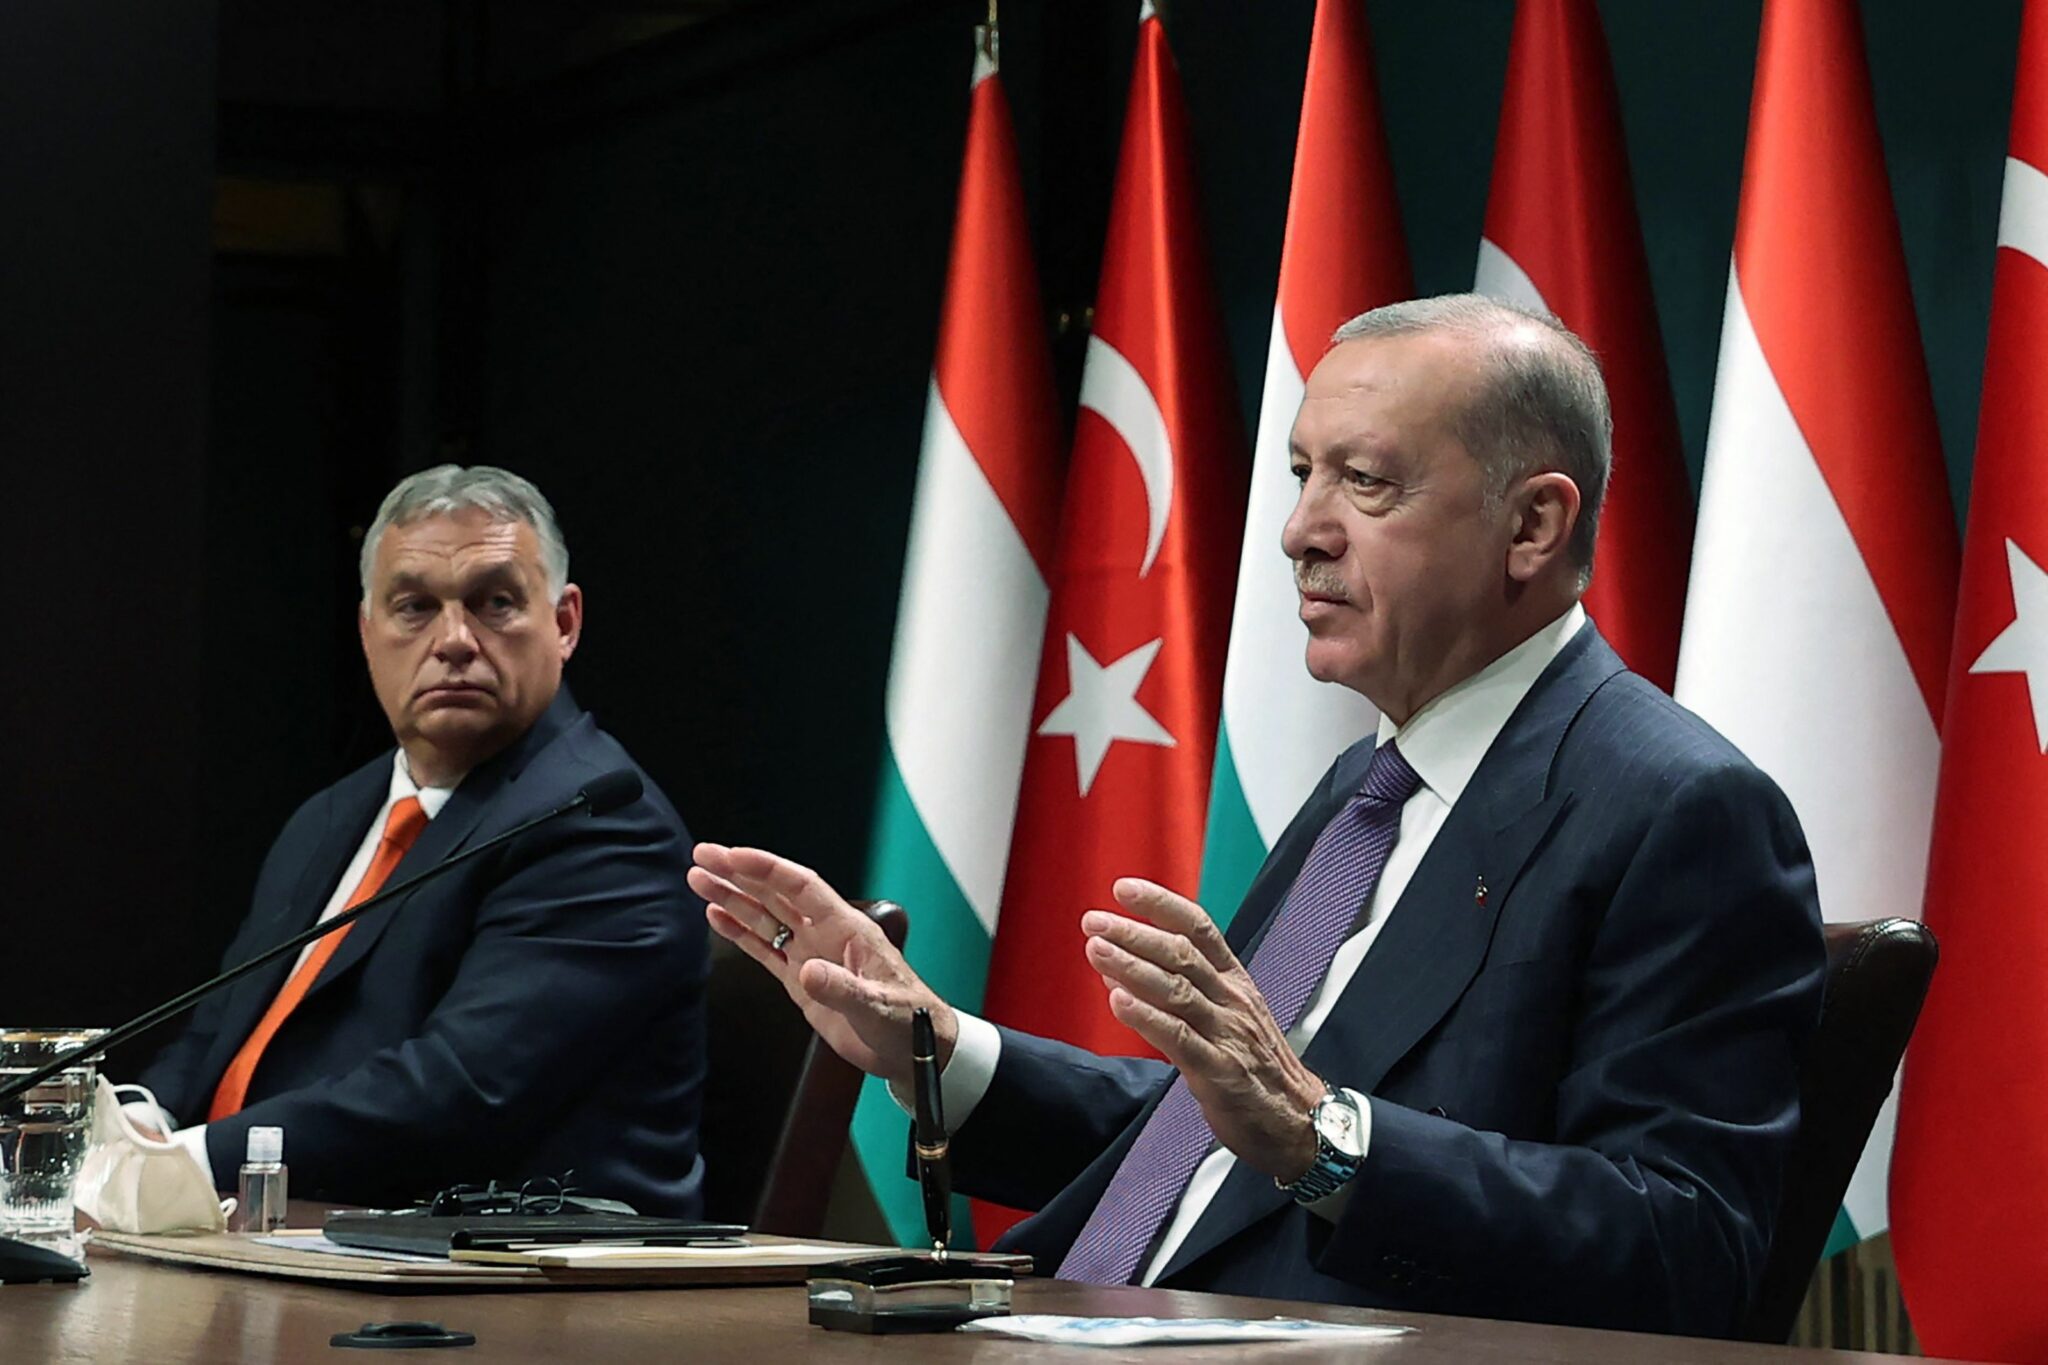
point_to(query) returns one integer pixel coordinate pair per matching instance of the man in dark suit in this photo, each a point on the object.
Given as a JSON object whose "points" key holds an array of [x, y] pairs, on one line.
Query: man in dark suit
{"points": [[533, 1013], [1508, 1023]]}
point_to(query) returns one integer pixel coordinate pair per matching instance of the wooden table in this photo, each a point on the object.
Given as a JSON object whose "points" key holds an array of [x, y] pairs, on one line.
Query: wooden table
{"points": [[162, 1315]]}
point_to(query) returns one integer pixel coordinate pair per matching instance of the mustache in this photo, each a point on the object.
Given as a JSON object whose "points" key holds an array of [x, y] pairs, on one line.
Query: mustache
{"points": [[1319, 577]]}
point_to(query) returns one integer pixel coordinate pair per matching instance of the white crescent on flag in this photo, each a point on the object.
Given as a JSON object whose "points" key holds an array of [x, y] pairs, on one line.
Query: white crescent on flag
{"points": [[1112, 388]]}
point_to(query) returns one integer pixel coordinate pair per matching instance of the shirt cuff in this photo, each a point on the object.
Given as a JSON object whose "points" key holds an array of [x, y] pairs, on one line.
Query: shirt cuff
{"points": [[1331, 1206], [968, 1071]]}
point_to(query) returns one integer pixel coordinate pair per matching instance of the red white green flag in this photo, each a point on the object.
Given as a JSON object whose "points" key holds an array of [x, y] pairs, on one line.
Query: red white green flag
{"points": [[972, 611], [1823, 574], [1561, 236], [1342, 255]]}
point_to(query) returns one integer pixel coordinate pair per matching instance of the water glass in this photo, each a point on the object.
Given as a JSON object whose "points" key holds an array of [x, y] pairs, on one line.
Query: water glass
{"points": [[43, 1133]]}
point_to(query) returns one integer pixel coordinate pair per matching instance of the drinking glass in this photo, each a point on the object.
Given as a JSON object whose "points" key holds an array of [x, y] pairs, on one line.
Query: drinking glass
{"points": [[43, 1132]]}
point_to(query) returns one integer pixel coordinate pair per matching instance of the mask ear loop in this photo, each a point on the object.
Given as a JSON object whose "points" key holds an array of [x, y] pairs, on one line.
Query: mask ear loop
{"points": [[167, 1143], [127, 1122]]}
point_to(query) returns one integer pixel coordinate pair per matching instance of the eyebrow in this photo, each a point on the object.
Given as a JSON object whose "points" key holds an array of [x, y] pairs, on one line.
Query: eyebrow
{"points": [[1343, 449], [497, 574]]}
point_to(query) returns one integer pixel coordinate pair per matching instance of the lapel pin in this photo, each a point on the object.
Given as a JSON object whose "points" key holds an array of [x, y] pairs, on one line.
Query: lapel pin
{"points": [[1479, 894]]}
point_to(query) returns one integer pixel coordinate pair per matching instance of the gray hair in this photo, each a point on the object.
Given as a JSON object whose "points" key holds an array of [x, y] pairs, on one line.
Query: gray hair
{"points": [[499, 493], [1542, 404]]}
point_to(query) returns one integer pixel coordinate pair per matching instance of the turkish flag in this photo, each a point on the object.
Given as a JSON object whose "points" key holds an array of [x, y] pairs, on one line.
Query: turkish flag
{"points": [[1561, 236], [1116, 773], [1970, 1173]]}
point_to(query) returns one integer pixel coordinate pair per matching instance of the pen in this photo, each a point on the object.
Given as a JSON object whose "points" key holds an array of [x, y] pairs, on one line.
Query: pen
{"points": [[929, 1140]]}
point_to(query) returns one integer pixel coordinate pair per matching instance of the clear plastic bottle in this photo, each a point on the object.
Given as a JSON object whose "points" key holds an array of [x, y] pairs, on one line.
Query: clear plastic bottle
{"points": [[260, 1204]]}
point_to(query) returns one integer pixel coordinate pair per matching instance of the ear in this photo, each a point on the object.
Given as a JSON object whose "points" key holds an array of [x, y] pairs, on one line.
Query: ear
{"points": [[363, 625], [1545, 507], [569, 619]]}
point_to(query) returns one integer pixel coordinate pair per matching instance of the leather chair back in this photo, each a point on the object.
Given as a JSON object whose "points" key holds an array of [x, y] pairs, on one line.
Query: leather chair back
{"points": [[778, 1103], [1878, 971]]}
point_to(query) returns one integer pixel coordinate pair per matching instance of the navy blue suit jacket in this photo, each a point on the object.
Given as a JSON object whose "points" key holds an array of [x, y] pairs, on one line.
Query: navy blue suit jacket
{"points": [[1583, 1090], [536, 1010]]}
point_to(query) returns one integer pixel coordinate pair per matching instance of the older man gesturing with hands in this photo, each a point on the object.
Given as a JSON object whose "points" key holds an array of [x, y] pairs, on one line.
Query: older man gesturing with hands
{"points": [[1174, 981], [1508, 1024]]}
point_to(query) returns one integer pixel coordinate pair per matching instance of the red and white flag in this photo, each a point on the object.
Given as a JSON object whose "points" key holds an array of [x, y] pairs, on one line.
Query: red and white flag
{"points": [[1823, 575], [1116, 773], [1561, 236], [1970, 1179]]}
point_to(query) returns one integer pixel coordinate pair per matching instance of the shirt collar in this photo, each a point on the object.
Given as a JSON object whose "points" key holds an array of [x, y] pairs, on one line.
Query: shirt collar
{"points": [[1445, 741], [431, 798]]}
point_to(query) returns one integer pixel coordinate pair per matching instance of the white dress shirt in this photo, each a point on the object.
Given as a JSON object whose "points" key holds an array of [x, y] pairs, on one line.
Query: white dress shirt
{"points": [[1444, 742], [431, 800]]}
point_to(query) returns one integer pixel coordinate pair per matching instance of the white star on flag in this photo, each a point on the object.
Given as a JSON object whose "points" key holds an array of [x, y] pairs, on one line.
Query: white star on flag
{"points": [[1102, 707], [2022, 647]]}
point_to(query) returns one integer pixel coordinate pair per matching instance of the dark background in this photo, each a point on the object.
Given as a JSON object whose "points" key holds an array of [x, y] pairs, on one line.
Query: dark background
{"points": [[679, 262]]}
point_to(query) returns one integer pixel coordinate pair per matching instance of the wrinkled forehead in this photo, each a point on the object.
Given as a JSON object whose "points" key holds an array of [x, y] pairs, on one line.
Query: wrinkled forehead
{"points": [[1380, 388], [456, 545]]}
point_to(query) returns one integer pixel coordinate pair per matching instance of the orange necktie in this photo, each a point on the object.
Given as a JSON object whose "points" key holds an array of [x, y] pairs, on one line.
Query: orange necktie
{"points": [[404, 825]]}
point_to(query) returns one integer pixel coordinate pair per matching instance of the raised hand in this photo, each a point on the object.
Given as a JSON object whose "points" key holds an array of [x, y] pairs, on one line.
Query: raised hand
{"points": [[1177, 984], [854, 988]]}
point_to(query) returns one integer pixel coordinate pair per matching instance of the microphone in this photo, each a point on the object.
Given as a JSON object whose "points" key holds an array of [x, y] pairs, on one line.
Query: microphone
{"points": [[606, 793], [600, 796]]}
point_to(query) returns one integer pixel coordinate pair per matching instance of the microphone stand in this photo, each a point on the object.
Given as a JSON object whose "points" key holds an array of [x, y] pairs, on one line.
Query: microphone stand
{"points": [[22, 1262], [595, 796]]}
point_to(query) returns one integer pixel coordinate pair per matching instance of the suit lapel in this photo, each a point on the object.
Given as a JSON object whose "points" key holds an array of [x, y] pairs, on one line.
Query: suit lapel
{"points": [[1437, 935], [352, 804], [447, 833]]}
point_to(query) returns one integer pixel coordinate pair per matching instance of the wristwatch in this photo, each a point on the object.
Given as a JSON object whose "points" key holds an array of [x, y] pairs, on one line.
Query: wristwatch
{"points": [[1340, 1148]]}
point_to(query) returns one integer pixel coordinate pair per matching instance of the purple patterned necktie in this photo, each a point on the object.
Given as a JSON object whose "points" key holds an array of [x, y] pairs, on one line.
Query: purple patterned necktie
{"points": [[1337, 878]]}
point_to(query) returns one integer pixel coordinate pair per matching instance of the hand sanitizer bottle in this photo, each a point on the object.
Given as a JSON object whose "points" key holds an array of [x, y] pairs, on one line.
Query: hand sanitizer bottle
{"points": [[261, 1202]]}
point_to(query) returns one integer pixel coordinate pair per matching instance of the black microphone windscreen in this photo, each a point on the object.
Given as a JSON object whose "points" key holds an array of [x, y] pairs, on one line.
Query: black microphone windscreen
{"points": [[605, 794]]}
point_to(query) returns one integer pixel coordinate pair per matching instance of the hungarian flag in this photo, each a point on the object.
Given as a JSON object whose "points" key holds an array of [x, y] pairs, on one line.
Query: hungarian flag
{"points": [[1823, 575], [1116, 775], [972, 611], [1970, 1185], [1561, 236], [1342, 255]]}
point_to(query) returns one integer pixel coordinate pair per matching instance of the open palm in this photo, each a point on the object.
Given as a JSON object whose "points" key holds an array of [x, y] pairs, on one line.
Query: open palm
{"points": [[852, 985]]}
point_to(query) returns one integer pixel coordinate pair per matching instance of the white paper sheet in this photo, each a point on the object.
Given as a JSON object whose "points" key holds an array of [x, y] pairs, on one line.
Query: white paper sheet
{"points": [[1073, 1331], [317, 1241]]}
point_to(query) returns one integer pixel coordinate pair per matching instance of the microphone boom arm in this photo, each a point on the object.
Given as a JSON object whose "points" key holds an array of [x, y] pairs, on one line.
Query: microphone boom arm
{"points": [[603, 793]]}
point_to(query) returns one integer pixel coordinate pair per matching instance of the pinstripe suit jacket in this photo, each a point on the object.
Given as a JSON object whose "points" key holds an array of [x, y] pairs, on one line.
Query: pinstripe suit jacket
{"points": [[1583, 1089]]}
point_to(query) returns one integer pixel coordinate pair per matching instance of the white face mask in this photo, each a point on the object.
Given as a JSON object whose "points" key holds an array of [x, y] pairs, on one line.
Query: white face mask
{"points": [[132, 1182]]}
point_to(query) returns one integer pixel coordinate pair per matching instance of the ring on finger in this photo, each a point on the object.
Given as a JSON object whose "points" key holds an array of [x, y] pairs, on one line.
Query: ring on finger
{"points": [[782, 937]]}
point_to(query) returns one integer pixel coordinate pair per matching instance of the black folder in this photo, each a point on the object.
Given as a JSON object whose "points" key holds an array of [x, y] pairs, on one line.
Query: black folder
{"points": [[433, 1235]]}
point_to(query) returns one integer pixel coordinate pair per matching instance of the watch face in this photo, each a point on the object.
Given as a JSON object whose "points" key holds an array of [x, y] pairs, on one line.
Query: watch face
{"points": [[1338, 1124]]}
